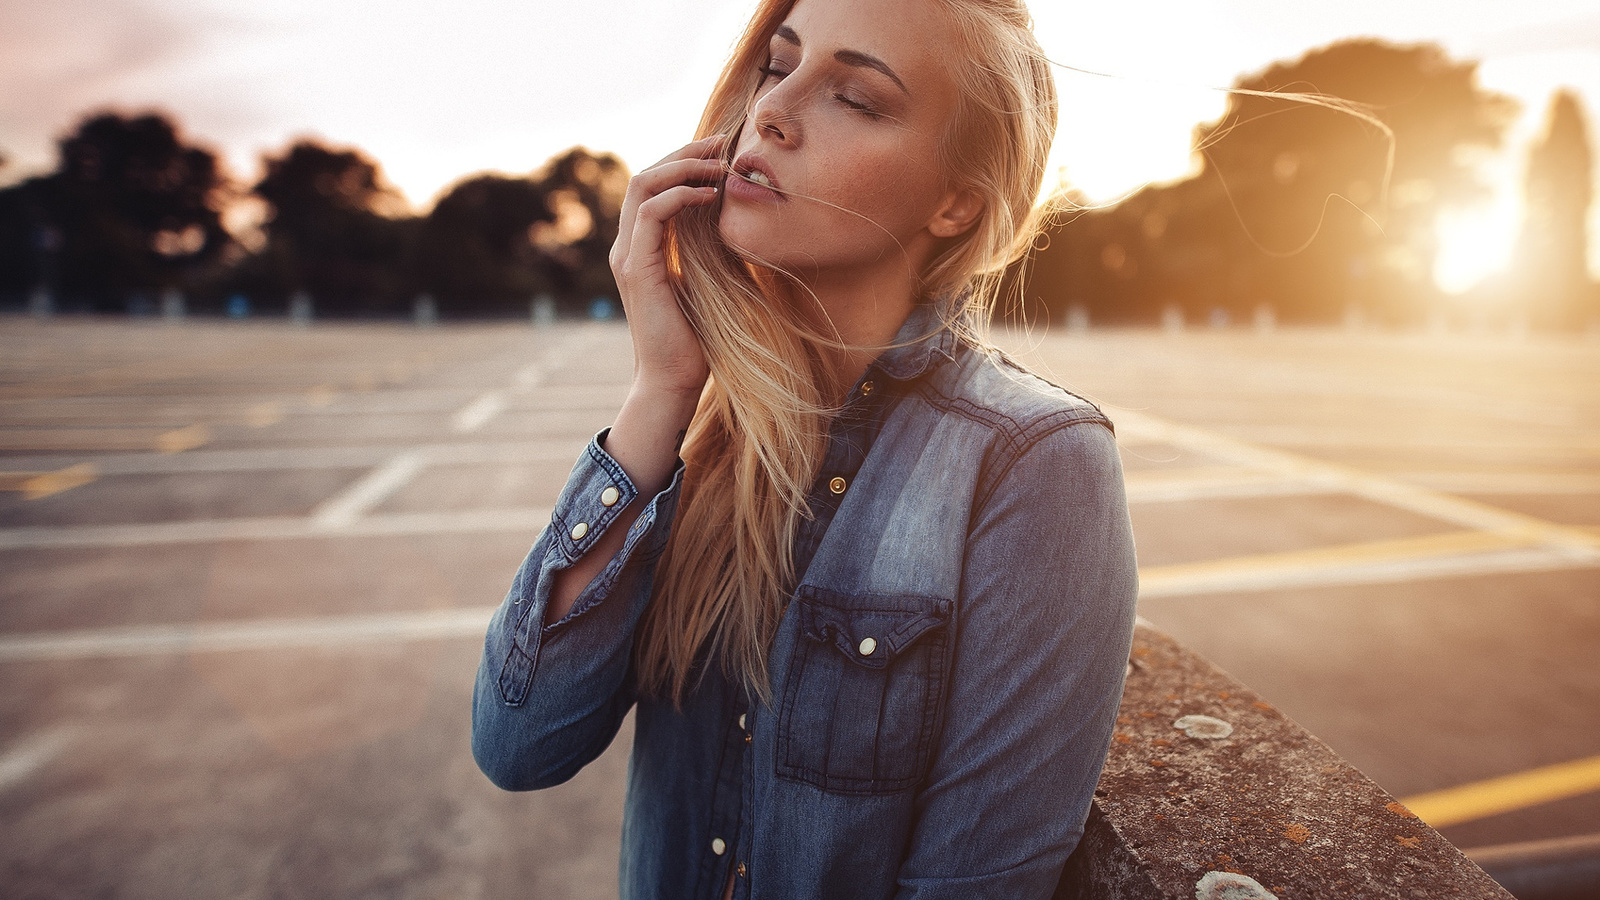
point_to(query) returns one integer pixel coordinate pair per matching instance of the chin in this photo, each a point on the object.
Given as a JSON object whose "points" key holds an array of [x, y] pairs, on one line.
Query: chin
{"points": [[748, 238]]}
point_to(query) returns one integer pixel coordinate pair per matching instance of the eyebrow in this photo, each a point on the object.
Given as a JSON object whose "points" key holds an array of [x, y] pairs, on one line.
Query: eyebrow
{"points": [[854, 58]]}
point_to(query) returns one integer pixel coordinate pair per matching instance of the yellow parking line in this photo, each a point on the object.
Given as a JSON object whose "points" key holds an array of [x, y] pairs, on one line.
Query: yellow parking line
{"points": [[181, 439], [1481, 799], [38, 485], [321, 395], [1160, 578], [263, 414]]}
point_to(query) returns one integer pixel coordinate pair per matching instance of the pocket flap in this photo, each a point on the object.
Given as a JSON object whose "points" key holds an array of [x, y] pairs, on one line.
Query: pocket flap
{"points": [[869, 629]]}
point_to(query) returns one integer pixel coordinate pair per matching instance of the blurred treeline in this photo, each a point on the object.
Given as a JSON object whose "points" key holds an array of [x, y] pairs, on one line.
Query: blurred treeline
{"points": [[1293, 216], [134, 214], [1298, 213]]}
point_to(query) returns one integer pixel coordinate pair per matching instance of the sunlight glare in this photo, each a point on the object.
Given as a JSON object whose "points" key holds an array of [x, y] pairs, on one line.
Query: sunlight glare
{"points": [[1474, 243]]}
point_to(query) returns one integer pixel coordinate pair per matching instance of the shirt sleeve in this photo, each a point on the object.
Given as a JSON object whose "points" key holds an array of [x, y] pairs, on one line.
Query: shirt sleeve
{"points": [[1044, 632], [548, 699]]}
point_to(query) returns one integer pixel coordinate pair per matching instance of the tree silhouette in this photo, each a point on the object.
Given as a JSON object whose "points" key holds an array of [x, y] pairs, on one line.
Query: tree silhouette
{"points": [[1551, 260], [132, 208], [1294, 205], [476, 253], [494, 241], [335, 229]]}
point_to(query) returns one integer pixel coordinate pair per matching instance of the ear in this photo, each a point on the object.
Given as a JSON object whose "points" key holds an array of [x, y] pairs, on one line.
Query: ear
{"points": [[960, 210]]}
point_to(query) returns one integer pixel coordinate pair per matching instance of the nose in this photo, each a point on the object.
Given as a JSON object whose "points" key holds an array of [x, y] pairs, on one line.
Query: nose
{"points": [[774, 116]]}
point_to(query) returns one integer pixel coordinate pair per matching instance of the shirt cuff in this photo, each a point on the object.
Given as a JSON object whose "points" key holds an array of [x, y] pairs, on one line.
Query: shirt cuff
{"points": [[596, 493]]}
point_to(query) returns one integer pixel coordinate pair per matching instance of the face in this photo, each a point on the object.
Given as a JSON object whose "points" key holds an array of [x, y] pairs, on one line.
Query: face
{"points": [[845, 125]]}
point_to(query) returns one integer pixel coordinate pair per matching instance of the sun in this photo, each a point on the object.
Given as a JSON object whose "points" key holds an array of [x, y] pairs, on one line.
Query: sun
{"points": [[1475, 242]]}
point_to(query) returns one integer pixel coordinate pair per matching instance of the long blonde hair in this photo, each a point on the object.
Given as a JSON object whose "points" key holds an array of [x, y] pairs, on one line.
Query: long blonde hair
{"points": [[758, 437]]}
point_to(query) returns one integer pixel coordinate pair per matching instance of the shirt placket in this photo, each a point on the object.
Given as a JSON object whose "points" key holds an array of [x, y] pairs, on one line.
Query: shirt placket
{"points": [[731, 797], [850, 438]]}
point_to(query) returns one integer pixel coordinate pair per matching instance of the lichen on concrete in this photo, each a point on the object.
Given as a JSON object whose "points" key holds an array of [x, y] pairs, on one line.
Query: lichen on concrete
{"points": [[1261, 798]]}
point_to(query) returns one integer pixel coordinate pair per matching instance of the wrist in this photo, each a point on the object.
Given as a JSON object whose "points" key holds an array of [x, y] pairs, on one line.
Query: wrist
{"points": [[674, 403]]}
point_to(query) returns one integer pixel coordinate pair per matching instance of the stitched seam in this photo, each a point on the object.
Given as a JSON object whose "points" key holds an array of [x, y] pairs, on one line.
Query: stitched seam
{"points": [[1008, 463]]}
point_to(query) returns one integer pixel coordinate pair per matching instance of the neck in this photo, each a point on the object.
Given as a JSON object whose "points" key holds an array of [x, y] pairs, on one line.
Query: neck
{"points": [[866, 307]]}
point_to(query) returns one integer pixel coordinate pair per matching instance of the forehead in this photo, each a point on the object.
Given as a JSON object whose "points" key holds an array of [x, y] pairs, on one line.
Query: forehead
{"points": [[911, 36]]}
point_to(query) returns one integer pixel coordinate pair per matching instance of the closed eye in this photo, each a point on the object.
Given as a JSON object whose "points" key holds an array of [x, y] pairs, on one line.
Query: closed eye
{"points": [[857, 106]]}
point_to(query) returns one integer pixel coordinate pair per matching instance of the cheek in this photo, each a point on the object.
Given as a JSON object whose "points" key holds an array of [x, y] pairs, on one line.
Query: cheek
{"points": [[893, 188]]}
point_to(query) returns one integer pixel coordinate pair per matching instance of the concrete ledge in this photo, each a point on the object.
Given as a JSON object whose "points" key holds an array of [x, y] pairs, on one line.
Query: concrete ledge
{"points": [[1209, 792]]}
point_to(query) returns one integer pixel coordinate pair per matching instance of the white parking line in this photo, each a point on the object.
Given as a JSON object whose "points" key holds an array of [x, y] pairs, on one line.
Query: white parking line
{"points": [[486, 406], [30, 754], [532, 450], [341, 510], [475, 414], [1210, 484], [1444, 507], [268, 634], [1246, 575], [204, 531]]}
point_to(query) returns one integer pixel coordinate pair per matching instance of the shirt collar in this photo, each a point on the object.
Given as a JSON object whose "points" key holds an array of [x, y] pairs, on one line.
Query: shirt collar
{"points": [[923, 343]]}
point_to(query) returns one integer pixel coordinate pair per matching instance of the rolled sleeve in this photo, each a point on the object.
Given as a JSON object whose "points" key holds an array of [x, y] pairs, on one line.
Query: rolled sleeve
{"points": [[549, 698], [1046, 624]]}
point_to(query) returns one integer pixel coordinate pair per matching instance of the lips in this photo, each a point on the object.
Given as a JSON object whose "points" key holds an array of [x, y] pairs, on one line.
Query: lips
{"points": [[754, 170]]}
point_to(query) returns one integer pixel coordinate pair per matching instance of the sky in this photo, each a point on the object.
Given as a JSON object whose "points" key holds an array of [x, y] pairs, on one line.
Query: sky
{"points": [[436, 92]]}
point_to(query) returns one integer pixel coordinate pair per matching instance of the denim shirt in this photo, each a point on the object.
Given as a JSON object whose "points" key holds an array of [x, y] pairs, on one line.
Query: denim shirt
{"points": [[945, 676]]}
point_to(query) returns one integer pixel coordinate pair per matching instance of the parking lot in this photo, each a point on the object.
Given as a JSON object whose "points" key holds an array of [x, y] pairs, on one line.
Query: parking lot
{"points": [[245, 569]]}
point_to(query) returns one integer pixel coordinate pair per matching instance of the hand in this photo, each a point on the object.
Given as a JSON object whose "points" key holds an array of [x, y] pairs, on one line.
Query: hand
{"points": [[666, 352]]}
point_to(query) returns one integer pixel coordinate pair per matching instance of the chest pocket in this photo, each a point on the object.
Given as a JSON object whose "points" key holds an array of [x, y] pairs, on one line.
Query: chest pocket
{"points": [[863, 697]]}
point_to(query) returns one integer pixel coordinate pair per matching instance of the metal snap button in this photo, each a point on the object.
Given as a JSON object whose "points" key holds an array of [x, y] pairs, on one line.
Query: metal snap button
{"points": [[579, 530], [837, 485], [867, 646], [866, 388], [610, 496], [718, 846], [741, 720]]}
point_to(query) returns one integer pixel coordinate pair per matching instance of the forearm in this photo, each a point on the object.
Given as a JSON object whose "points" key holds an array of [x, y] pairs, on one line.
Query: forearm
{"points": [[644, 440]]}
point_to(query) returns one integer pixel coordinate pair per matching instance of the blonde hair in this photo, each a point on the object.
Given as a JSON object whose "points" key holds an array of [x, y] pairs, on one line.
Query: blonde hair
{"points": [[760, 431]]}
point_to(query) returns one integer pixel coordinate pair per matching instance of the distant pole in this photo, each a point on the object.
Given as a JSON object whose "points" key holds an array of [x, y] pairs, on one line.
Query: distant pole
{"points": [[40, 304], [1355, 318], [172, 305], [542, 310], [1077, 318], [300, 308], [424, 310], [1172, 318], [1266, 318]]}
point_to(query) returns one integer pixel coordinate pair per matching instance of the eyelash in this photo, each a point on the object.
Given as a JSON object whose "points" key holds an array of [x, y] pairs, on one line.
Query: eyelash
{"points": [[768, 71]]}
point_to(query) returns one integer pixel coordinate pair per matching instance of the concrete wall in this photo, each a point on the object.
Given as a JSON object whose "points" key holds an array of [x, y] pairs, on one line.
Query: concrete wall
{"points": [[1211, 793]]}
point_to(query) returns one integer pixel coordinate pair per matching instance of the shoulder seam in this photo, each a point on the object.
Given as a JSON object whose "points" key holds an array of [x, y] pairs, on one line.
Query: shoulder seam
{"points": [[1047, 426]]}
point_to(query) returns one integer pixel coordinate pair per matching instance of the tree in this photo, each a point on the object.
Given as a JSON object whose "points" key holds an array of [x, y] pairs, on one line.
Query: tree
{"points": [[131, 209], [1551, 260], [1294, 204], [335, 229], [494, 241], [476, 253]]}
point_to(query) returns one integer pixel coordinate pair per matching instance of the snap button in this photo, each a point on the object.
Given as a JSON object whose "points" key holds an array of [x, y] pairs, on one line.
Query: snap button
{"points": [[837, 485], [718, 846], [866, 388], [741, 720], [867, 646], [742, 870], [579, 530], [610, 496]]}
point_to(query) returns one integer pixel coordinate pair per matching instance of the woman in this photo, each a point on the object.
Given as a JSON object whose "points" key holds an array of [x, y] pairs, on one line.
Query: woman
{"points": [[876, 617]]}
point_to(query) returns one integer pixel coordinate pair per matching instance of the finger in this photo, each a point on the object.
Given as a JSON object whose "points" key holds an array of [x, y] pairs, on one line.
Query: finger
{"points": [[655, 212], [656, 179]]}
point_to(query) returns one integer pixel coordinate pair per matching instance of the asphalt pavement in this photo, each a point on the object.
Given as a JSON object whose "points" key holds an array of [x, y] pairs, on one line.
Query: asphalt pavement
{"points": [[245, 569]]}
